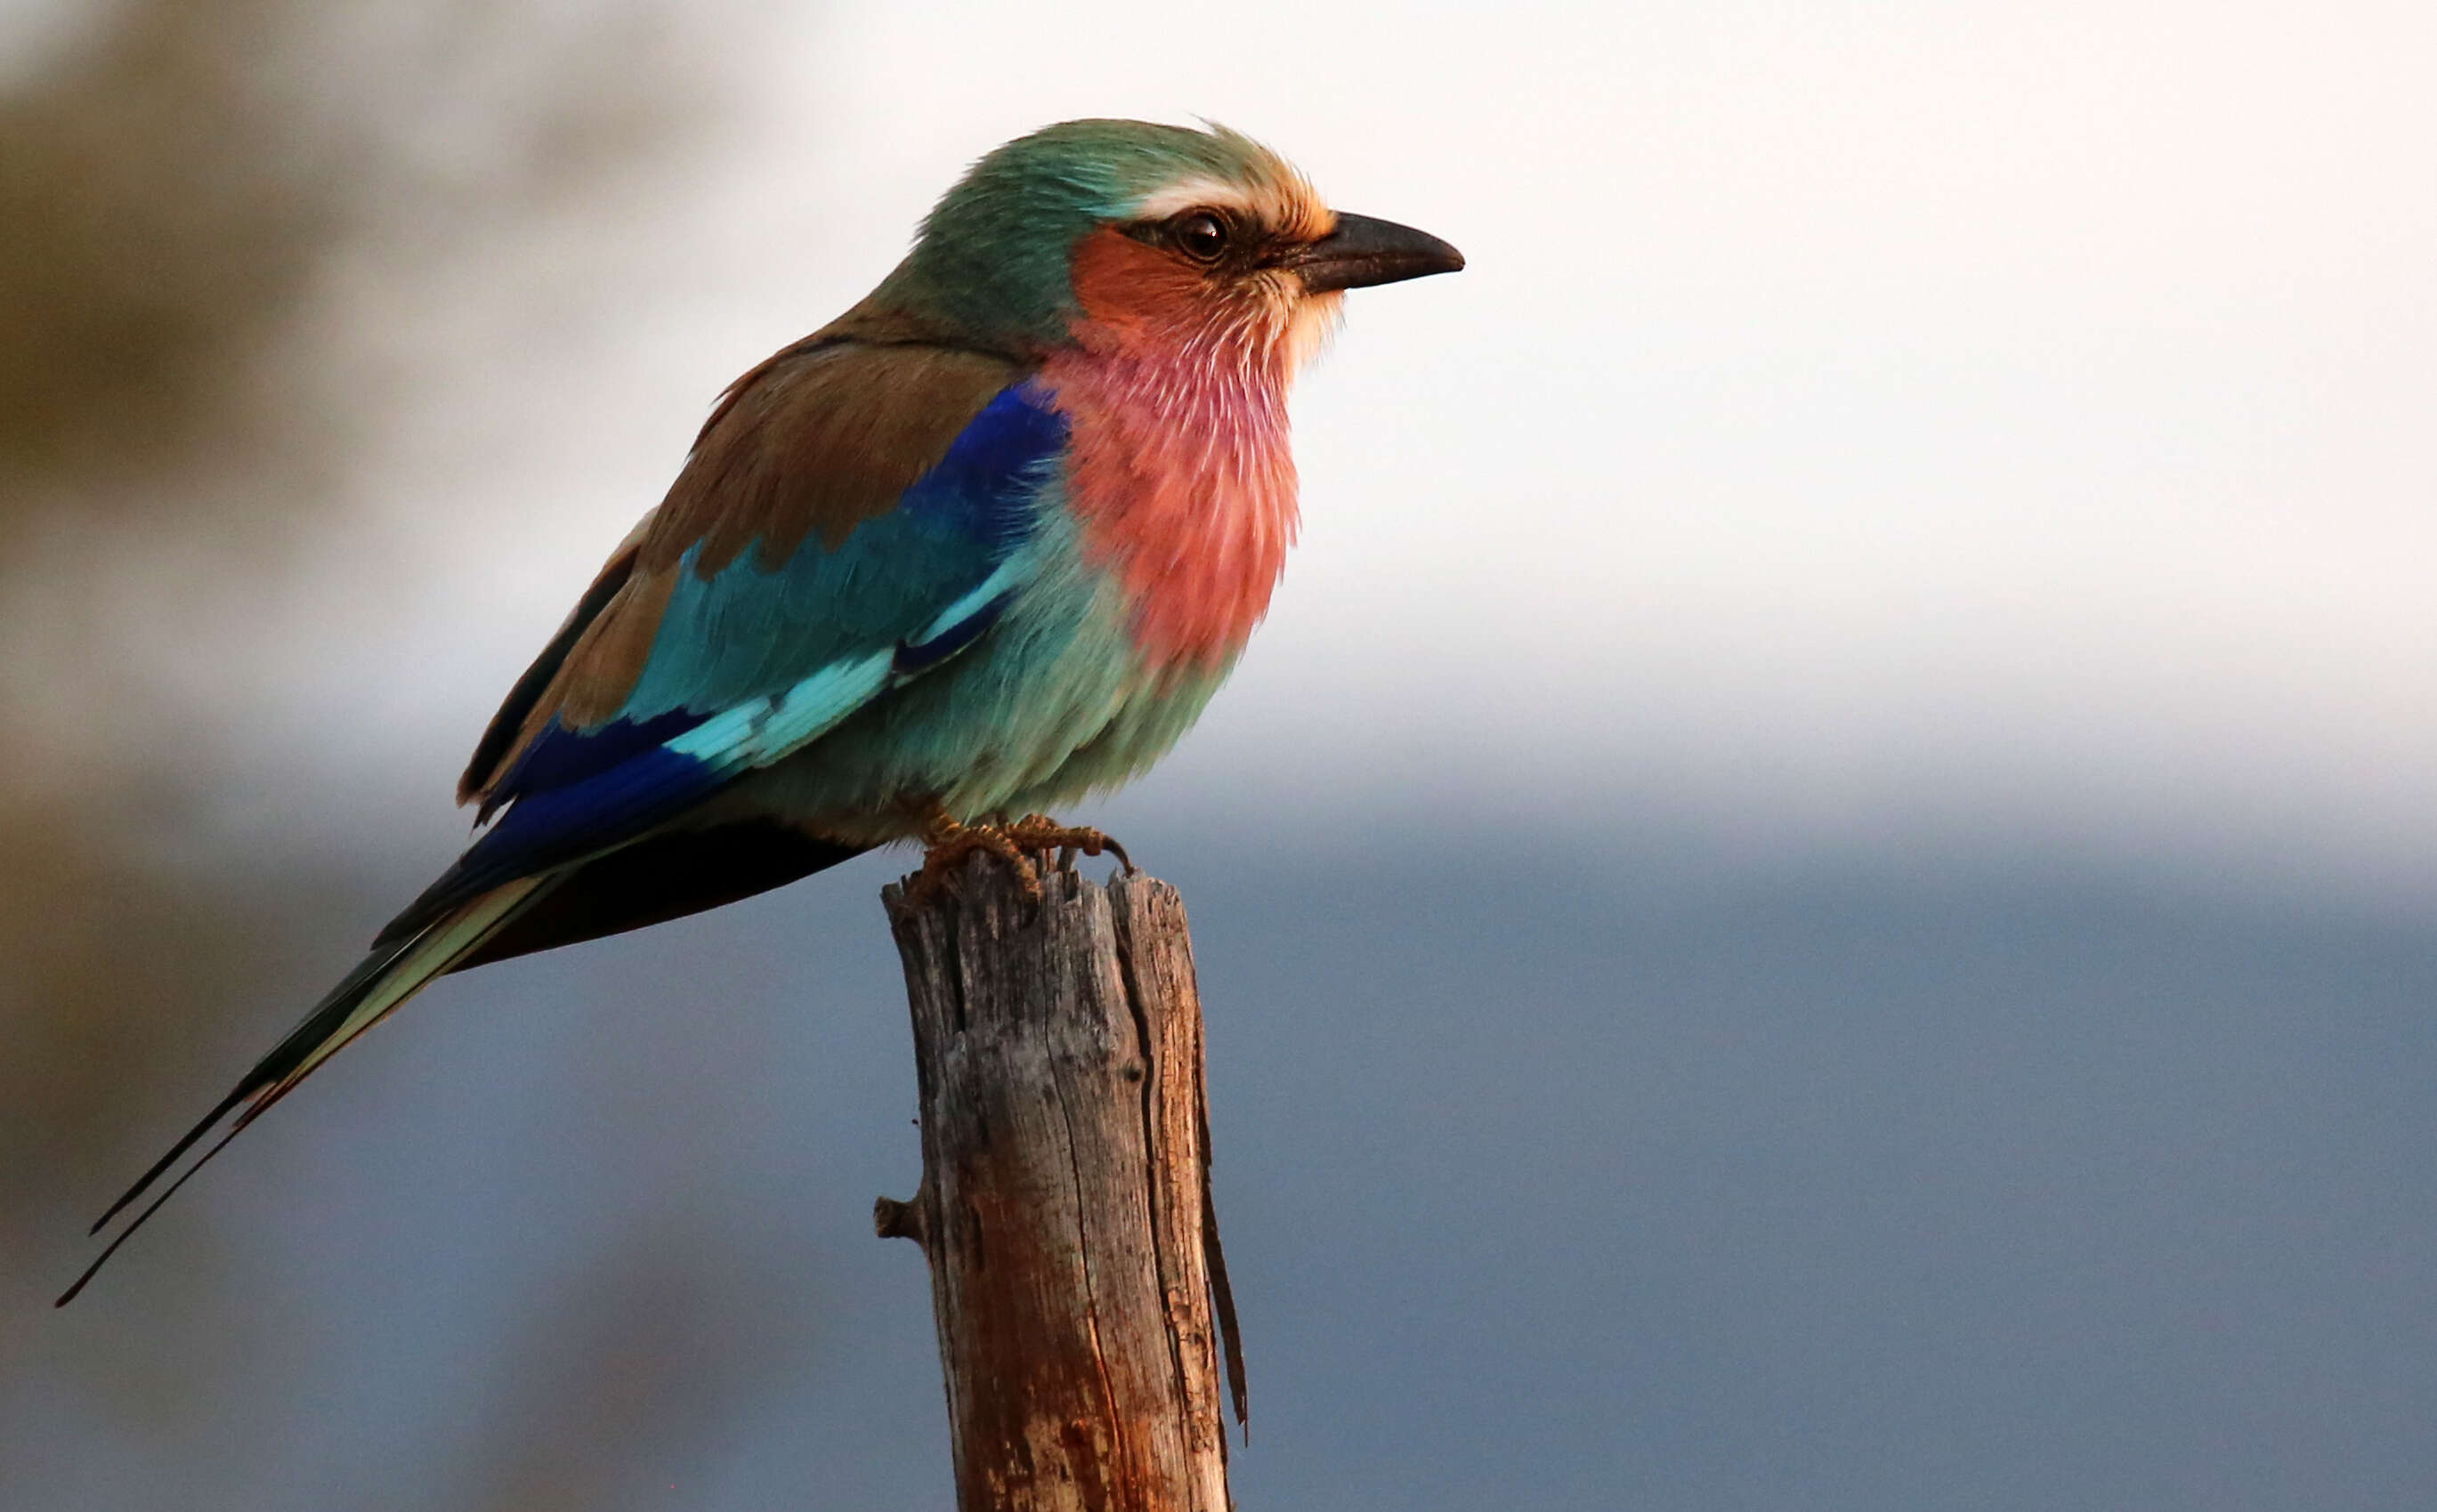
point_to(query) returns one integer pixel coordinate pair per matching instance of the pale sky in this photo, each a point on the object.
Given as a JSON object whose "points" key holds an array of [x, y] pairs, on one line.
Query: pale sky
{"points": [[1858, 424]]}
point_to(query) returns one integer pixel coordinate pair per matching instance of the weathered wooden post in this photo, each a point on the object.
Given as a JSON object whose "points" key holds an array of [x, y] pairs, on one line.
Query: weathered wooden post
{"points": [[1065, 1199]]}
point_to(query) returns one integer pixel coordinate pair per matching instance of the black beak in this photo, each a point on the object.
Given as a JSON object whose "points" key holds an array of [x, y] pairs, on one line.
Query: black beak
{"points": [[1362, 251]]}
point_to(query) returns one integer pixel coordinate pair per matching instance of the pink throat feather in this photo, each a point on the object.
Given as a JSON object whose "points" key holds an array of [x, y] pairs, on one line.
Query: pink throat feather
{"points": [[1181, 476]]}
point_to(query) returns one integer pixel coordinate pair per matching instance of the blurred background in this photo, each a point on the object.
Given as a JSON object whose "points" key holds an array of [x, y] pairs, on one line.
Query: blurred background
{"points": [[1821, 894]]}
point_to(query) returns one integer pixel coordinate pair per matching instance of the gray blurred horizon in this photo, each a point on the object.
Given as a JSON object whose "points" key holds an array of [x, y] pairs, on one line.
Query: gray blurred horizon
{"points": [[1820, 892]]}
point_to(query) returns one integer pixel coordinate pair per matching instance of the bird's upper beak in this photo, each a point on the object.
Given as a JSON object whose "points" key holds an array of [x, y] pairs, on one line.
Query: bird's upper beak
{"points": [[1362, 251]]}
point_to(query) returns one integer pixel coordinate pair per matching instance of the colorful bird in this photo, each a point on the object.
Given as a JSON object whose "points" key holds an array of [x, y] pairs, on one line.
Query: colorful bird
{"points": [[985, 543]]}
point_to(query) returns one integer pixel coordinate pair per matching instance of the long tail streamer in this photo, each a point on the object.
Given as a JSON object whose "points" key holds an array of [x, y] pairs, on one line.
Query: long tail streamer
{"points": [[381, 981]]}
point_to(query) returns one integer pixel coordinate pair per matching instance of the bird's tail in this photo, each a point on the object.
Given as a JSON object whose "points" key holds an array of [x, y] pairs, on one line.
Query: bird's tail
{"points": [[394, 971]]}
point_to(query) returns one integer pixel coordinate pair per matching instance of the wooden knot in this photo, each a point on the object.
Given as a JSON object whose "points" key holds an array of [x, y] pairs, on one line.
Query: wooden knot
{"points": [[891, 1218]]}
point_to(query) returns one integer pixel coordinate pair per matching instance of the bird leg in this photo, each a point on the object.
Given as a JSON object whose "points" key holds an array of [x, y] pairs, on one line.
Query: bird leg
{"points": [[945, 845], [1039, 832]]}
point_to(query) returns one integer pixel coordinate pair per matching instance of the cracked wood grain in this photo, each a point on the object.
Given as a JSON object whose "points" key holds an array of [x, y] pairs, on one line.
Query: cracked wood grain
{"points": [[1065, 1204]]}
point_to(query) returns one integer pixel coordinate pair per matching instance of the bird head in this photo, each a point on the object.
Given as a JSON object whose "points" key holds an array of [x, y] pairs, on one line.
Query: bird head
{"points": [[1127, 237]]}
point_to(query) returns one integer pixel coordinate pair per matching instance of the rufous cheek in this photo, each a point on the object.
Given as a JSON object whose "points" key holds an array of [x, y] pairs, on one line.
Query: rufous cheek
{"points": [[1131, 291]]}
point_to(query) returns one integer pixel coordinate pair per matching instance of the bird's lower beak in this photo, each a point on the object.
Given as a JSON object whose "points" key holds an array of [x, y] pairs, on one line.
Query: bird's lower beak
{"points": [[1362, 251]]}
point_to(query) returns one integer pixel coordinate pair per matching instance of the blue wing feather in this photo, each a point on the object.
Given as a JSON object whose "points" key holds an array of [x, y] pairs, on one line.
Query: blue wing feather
{"points": [[752, 661]]}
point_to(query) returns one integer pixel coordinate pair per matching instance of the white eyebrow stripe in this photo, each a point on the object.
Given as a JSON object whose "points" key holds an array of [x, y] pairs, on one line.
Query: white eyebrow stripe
{"points": [[1186, 194]]}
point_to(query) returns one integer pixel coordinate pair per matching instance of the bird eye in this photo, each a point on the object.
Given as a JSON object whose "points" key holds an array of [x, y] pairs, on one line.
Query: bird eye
{"points": [[1201, 234]]}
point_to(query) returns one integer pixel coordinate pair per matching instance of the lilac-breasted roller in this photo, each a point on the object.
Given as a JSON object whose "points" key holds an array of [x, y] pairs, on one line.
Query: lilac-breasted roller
{"points": [[985, 543]]}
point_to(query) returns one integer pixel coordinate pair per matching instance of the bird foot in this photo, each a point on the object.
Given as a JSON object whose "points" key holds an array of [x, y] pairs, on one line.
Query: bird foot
{"points": [[1023, 845], [1039, 833], [945, 845]]}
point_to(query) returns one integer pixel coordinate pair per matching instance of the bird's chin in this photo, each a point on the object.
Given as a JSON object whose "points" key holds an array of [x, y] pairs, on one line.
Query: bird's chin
{"points": [[1311, 324]]}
